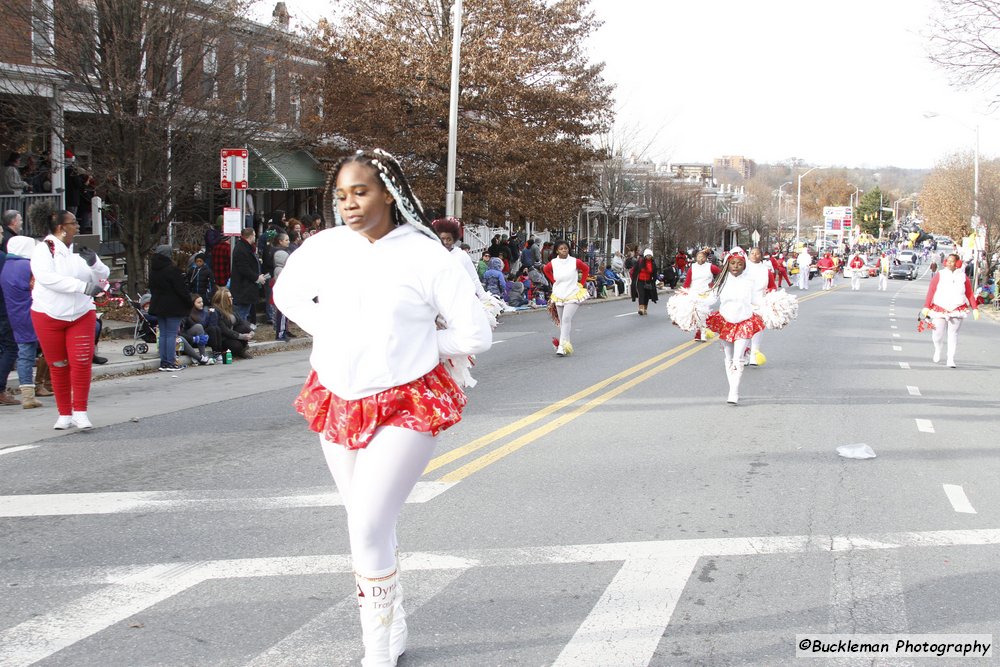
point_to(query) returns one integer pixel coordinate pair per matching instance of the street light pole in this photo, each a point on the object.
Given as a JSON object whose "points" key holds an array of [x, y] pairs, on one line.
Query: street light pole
{"points": [[798, 206], [456, 50]]}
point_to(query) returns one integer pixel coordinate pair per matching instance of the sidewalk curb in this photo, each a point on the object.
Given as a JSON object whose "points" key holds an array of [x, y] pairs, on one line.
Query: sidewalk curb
{"points": [[151, 364]]}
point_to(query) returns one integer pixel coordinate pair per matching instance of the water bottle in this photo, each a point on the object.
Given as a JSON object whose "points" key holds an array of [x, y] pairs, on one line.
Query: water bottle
{"points": [[228, 358]]}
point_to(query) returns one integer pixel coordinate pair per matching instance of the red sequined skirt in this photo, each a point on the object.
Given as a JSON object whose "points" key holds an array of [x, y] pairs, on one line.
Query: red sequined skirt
{"points": [[429, 404], [730, 331], [938, 311]]}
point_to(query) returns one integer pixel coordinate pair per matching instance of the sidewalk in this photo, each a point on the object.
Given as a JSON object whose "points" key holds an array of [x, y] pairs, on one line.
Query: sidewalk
{"points": [[119, 334]]}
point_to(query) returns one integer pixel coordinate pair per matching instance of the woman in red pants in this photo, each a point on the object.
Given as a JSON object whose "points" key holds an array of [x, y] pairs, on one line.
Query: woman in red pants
{"points": [[63, 314]]}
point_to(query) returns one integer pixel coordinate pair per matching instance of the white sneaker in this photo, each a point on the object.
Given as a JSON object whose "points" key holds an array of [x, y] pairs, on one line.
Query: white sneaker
{"points": [[937, 356], [81, 421], [951, 363], [64, 422], [560, 351]]}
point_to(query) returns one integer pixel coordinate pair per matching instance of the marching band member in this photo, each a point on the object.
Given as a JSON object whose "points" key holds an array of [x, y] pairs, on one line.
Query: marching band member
{"points": [[378, 393], [949, 297], [763, 280], [856, 265], [568, 275], [698, 282], [735, 321]]}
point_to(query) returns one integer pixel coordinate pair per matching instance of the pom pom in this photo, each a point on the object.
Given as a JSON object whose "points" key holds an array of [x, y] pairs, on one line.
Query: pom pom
{"points": [[760, 358], [688, 311], [779, 309]]}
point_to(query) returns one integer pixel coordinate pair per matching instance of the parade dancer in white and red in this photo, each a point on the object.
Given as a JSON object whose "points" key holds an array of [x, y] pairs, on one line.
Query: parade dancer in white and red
{"points": [[883, 272], [735, 321], [378, 393], [949, 298], [568, 275], [762, 276], [857, 265], [698, 282]]}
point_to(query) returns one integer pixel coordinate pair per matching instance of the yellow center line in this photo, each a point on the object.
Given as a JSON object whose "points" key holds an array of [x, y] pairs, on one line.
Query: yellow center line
{"points": [[489, 438], [500, 452]]}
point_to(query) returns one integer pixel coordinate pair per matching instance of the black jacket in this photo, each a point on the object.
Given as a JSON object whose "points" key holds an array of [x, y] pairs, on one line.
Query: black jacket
{"points": [[246, 270], [169, 296]]}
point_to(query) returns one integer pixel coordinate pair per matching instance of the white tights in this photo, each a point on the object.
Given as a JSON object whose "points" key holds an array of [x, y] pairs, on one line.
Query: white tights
{"points": [[856, 281], [566, 313], [755, 343], [735, 351], [952, 325], [374, 483]]}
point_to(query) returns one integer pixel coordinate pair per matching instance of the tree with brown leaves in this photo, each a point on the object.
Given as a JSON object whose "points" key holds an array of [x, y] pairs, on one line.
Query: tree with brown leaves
{"points": [[529, 100]]}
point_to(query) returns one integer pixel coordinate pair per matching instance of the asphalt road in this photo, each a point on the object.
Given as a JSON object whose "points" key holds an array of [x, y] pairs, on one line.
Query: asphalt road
{"points": [[607, 508]]}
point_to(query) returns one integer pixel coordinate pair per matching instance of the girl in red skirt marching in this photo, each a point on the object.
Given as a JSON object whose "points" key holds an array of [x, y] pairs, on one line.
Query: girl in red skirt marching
{"points": [[378, 394], [736, 321]]}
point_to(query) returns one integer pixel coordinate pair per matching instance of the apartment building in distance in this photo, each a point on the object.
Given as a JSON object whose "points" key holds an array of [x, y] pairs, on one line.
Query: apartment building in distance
{"points": [[743, 166]]}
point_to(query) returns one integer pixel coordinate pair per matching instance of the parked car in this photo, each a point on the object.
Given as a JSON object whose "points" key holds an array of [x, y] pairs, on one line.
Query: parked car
{"points": [[906, 270], [907, 256], [872, 267]]}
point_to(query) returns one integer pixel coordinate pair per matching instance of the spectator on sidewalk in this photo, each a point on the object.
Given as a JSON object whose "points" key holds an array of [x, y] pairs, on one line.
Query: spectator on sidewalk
{"points": [[193, 333], [8, 346], [494, 280], [483, 265], [170, 302], [12, 224], [247, 277], [610, 278], [235, 332], [217, 247], [63, 314], [528, 255], [281, 252], [15, 292], [199, 277]]}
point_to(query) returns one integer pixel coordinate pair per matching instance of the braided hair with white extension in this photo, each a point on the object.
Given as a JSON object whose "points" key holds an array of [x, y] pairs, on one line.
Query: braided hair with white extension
{"points": [[406, 206]]}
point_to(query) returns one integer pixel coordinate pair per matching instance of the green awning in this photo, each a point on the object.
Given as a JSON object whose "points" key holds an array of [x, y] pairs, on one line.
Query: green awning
{"points": [[296, 170]]}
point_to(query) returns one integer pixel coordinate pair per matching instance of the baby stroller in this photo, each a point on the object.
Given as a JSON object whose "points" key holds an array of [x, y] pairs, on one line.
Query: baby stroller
{"points": [[143, 333]]}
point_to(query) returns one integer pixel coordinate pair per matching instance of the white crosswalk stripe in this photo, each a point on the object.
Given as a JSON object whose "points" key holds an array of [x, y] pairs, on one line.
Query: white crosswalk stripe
{"points": [[628, 619]]}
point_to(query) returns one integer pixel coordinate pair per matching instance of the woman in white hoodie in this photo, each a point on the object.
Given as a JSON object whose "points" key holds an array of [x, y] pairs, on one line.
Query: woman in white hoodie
{"points": [[949, 298], [64, 315], [378, 393], [735, 321]]}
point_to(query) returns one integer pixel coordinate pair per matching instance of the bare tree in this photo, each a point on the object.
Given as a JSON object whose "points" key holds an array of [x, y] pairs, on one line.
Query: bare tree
{"points": [[154, 89], [676, 205], [616, 190], [965, 40]]}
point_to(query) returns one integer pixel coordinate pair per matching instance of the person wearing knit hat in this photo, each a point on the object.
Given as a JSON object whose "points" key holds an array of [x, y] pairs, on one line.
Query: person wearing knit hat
{"points": [[644, 278], [165, 250]]}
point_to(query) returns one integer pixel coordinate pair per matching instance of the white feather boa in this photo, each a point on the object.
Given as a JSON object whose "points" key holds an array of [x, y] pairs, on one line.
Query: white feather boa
{"points": [[459, 367]]}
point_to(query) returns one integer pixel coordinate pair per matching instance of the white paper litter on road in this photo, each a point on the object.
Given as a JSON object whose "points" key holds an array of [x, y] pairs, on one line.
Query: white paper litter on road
{"points": [[858, 451]]}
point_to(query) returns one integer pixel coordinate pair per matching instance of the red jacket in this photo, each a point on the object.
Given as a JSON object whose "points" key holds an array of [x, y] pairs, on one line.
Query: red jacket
{"points": [[825, 264], [856, 262]]}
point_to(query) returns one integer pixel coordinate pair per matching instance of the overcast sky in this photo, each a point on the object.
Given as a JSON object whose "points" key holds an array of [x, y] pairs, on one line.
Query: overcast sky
{"points": [[839, 82]]}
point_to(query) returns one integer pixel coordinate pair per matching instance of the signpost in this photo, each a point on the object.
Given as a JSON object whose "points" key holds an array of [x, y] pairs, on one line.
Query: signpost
{"points": [[755, 237], [234, 175]]}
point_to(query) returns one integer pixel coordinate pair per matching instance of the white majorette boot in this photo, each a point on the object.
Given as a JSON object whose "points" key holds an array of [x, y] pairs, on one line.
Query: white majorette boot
{"points": [[398, 633], [937, 355], [735, 373], [376, 598]]}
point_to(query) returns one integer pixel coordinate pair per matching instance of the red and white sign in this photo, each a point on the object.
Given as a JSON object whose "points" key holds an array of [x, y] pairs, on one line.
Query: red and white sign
{"points": [[234, 168]]}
